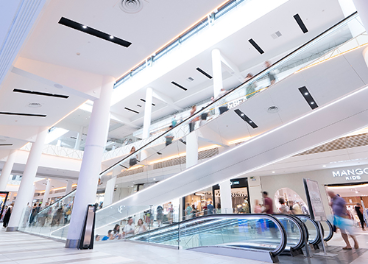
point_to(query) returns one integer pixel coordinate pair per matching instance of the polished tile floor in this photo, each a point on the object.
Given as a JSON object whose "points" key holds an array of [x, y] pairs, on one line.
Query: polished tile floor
{"points": [[20, 248]]}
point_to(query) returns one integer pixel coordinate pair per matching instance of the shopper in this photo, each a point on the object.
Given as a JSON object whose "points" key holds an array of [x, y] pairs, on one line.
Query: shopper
{"points": [[129, 228], [141, 227], [173, 121], [194, 120], [257, 207], [134, 158], [271, 75], [194, 211], [251, 88], [341, 220], [160, 215], [188, 211], [268, 204], [359, 212], [169, 137], [7, 215], [210, 208], [283, 208], [116, 232], [223, 105]]}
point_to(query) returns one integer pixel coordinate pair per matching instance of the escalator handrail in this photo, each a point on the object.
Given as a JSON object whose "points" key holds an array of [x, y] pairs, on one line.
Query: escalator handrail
{"points": [[276, 252], [299, 225], [330, 235], [317, 240]]}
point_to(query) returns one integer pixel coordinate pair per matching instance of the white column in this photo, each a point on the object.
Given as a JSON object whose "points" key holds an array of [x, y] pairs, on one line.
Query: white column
{"points": [[147, 114], [79, 138], [6, 171], [362, 7], [31, 196], [91, 163], [217, 72], [26, 185], [191, 149], [109, 191], [47, 192], [355, 26], [225, 197], [69, 187]]}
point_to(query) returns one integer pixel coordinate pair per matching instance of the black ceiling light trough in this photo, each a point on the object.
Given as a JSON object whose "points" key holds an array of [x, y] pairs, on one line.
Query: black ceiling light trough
{"points": [[204, 73], [300, 23], [40, 93], [245, 118], [308, 97], [21, 114], [255, 45], [145, 101], [126, 108], [94, 32], [178, 85], [5, 145]]}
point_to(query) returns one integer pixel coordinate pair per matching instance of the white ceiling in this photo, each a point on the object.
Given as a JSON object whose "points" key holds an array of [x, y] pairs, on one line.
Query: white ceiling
{"points": [[156, 24]]}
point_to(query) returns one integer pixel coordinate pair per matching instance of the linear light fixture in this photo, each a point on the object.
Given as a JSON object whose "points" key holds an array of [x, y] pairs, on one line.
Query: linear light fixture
{"points": [[94, 32], [126, 108], [245, 118], [255, 45], [5, 145], [178, 85], [308, 97], [22, 114], [204, 73], [145, 101], [300, 23], [40, 93]]}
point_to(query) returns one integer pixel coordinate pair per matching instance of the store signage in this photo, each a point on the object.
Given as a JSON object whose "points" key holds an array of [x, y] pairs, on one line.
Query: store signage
{"points": [[236, 102], [234, 182], [350, 175]]}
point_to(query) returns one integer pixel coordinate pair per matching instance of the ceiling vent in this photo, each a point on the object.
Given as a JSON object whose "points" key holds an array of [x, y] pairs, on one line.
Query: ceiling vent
{"points": [[276, 35], [131, 6]]}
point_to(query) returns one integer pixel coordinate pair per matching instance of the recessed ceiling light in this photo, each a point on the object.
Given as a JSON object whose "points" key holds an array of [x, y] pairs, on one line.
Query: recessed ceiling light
{"points": [[305, 93], [111, 37], [273, 172], [34, 105], [324, 166], [312, 102], [84, 26]]}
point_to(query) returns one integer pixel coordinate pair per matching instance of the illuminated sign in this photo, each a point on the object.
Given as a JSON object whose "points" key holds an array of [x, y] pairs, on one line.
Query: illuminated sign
{"points": [[350, 175]]}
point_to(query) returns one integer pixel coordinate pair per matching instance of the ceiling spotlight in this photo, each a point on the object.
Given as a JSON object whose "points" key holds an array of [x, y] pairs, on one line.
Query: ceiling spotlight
{"points": [[306, 93], [324, 166], [242, 114], [273, 172], [312, 103], [84, 26], [111, 37]]}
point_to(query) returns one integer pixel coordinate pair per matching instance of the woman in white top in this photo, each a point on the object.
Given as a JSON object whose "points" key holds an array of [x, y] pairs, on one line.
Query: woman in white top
{"points": [[141, 228]]}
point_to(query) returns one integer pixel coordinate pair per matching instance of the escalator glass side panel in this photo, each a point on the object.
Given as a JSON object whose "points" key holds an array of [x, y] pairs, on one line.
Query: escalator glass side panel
{"points": [[328, 230], [294, 231], [312, 227]]}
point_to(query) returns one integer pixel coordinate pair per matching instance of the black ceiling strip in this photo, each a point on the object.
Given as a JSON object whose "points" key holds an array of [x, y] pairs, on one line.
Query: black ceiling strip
{"points": [[174, 83], [40, 93], [94, 32], [123, 166], [245, 118], [204, 73], [21, 114], [255, 45], [300, 23], [145, 101], [131, 110], [139, 105], [308, 97], [4, 145]]}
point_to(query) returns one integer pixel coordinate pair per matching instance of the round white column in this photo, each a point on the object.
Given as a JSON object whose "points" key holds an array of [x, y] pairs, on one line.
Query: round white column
{"points": [[225, 197], [26, 185], [47, 193], [362, 8], [217, 72], [91, 163], [147, 114], [6, 171], [69, 187]]}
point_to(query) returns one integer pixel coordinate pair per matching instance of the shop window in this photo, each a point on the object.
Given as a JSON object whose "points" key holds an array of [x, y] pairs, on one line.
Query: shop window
{"points": [[292, 200]]}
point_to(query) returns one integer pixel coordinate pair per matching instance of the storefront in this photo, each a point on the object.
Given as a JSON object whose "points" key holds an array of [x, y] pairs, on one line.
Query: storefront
{"points": [[351, 183], [239, 195]]}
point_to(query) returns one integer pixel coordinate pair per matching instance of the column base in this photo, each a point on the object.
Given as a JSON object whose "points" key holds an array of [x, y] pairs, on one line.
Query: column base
{"points": [[72, 243], [12, 229]]}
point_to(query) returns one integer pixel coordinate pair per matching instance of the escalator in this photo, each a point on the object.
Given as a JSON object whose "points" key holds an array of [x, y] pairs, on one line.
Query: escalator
{"points": [[273, 123]]}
